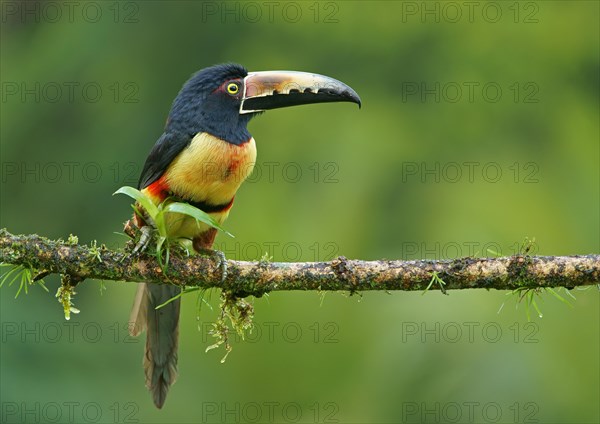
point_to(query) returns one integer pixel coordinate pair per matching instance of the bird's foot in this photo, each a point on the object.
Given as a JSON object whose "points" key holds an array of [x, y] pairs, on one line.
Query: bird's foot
{"points": [[219, 258], [145, 238]]}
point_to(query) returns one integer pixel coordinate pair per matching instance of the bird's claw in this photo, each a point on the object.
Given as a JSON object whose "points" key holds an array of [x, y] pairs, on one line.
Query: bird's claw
{"points": [[222, 264], [219, 257], [145, 237]]}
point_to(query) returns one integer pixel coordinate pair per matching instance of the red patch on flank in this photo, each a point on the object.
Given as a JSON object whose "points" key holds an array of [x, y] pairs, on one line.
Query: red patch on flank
{"points": [[237, 155], [159, 188], [233, 165]]}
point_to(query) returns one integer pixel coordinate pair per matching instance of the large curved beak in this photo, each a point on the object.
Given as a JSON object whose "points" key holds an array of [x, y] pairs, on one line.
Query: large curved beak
{"points": [[274, 89]]}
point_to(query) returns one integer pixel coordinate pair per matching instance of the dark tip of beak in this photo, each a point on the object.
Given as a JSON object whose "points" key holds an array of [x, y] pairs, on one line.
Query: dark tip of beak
{"points": [[346, 94]]}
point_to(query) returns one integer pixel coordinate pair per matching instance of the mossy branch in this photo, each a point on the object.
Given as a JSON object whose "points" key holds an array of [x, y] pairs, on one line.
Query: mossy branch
{"points": [[80, 262]]}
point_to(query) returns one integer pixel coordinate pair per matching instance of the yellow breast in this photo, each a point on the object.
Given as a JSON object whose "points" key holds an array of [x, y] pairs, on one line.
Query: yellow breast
{"points": [[208, 170]]}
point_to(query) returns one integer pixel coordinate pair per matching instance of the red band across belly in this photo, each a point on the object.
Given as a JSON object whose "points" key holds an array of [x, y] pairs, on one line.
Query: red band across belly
{"points": [[160, 189]]}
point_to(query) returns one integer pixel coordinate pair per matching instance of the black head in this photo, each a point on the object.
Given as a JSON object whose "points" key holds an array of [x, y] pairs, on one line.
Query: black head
{"points": [[221, 99], [210, 101]]}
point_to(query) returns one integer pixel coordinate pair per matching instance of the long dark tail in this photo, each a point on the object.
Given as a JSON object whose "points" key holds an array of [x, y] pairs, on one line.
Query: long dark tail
{"points": [[162, 335]]}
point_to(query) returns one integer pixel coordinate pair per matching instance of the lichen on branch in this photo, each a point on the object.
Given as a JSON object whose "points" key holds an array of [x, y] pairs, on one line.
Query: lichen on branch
{"points": [[245, 278]]}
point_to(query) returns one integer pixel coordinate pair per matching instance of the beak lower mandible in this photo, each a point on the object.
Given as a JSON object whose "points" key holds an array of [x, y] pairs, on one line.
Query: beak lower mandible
{"points": [[275, 89]]}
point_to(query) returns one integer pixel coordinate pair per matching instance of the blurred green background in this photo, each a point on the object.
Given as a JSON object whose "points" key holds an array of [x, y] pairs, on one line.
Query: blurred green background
{"points": [[479, 128]]}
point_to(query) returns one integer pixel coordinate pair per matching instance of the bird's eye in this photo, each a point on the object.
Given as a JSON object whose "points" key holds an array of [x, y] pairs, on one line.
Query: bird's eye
{"points": [[233, 88]]}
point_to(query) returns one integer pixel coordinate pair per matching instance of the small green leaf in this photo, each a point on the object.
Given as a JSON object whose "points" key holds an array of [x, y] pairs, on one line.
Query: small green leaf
{"points": [[160, 222], [140, 197], [42, 285], [5, 277], [177, 296], [23, 275], [159, 249], [559, 297], [536, 307], [435, 278], [23, 282], [196, 213]]}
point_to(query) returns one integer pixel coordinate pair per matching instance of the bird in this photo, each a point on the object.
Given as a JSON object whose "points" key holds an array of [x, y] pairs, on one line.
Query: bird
{"points": [[202, 158]]}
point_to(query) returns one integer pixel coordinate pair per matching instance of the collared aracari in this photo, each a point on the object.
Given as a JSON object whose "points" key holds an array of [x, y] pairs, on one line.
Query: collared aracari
{"points": [[203, 156]]}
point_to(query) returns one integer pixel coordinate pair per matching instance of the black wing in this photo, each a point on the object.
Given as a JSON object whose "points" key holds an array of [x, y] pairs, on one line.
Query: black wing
{"points": [[167, 147]]}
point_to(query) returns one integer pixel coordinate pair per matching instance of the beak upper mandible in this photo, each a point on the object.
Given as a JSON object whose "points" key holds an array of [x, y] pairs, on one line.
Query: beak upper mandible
{"points": [[275, 89]]}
